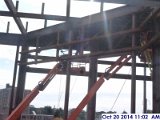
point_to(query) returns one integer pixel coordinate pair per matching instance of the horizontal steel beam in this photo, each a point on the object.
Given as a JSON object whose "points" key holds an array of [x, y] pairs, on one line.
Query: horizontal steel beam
{"points": [[99, 54], [99, 17], [102, 62], [117, 76], [36, 16], [74, 42], [11, 39], [145, 3]]}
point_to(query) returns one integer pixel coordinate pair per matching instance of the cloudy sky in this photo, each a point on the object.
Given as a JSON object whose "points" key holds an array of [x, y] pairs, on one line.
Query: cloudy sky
{"points": [[53, 95]]}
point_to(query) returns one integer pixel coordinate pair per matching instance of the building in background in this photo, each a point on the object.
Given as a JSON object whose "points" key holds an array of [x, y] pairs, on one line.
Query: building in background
{"points": [[5, 99]]}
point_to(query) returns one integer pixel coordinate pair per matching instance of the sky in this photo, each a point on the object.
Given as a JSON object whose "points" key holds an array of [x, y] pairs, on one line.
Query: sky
{"points": [[54, 94]]}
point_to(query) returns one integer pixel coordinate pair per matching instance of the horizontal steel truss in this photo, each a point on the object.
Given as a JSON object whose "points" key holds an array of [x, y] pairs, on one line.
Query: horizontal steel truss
{"points": [[117, 76], [36, 16]]}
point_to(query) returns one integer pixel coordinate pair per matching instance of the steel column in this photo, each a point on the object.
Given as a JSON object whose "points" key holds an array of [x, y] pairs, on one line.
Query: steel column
{"points": [[91, 108], [156, 74], [66, 102], [21, 79], [144, 92], [101, 7], [133, 79], [156, 79], [67, 91], [14, 80], [22, 68]]}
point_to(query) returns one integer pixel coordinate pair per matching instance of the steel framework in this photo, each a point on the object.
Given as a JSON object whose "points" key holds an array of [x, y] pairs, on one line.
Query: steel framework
{"points": [[121, 37]]}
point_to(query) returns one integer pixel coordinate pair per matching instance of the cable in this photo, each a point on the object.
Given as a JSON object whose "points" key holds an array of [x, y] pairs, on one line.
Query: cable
{"points": [[59, 95], [73, 85], [119, 94]]}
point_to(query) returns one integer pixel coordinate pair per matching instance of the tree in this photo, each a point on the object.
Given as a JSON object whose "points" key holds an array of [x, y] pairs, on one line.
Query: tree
{"points": [[124, 112], [111, 112], [58, 112], [48, 110], [149, 111], [82, 116]]}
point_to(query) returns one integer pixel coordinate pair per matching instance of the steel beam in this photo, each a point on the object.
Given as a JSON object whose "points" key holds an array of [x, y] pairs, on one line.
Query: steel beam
{"points": [[67, 90], [133, 79], [103, 62], [36, 16], [11, 39], [88, 98], [100, 54], [12, 96], [99, 17], [86, 40], [145, 3], [156, 69], [13, 11], [156, 79], [91, 107], [117, 76], [144, 93], [22, 68]]}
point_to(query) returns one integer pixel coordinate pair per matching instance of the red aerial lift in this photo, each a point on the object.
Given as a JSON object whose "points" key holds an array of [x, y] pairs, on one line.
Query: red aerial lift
{"points": [[40, 87], [57, 68], [108, 74]]}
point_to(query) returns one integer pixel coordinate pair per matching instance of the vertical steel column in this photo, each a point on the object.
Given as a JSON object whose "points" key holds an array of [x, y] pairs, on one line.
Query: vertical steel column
{"points": [[156, 79], [17, 5], [67, 91], [101, 7], [68, 8], [8, 26], [12, 96], [66, 102], [14, 80], [156, 74], [21, 76], [144, 93], [133, 78], [91, 108]]}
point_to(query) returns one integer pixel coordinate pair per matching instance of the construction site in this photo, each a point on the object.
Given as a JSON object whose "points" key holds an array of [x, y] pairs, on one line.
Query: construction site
{"points": [[126, 36]]}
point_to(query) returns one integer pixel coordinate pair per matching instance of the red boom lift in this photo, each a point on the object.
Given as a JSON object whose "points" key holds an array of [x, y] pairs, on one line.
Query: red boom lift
{"points": [[108, 74], [40, 87], [57, 68]]}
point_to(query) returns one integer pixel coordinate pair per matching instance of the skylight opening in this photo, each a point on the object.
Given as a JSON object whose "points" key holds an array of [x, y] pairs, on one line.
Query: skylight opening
{"points": [[53, 22], [110, 6], [81, 9]]}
